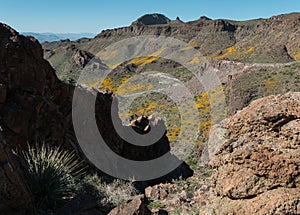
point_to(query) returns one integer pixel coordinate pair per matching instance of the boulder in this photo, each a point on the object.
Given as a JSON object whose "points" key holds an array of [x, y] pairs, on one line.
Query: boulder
{"points": [[257, 161], [137, 206], [160, 191]]}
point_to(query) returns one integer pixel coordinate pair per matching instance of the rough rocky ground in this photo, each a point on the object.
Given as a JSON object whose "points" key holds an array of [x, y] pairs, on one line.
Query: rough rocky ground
{"points": [[256, 160]]}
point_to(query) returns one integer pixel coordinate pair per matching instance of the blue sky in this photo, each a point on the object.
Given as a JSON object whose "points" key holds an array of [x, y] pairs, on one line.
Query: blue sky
{"points": [[66, 16]]}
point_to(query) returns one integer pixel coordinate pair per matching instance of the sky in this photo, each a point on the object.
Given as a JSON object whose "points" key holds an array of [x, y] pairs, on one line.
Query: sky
{"points": [[93, 16]]}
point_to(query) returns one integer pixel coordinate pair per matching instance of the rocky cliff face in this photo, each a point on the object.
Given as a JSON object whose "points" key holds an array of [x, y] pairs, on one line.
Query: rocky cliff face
{"points": [[31, 94], [30, 109], [256, 159]]}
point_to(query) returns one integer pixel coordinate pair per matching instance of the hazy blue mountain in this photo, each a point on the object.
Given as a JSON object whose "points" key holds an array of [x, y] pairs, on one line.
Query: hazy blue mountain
{"points": [[50, 37]]}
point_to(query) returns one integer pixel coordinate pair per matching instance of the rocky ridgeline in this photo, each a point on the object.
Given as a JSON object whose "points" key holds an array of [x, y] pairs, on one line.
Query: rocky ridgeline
{"points": [[35, 106], [272, 40]]}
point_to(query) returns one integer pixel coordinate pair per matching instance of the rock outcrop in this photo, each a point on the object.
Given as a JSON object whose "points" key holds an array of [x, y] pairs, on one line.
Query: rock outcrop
{"points": [[31, 95], [152, 19], [256, 159], [81, 58]]}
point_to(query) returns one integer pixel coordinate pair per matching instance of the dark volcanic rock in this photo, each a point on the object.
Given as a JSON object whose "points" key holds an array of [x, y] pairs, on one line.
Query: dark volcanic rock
{"points": [[14, 194], [152, 19], [30, 110], [31, 94], [205, 18]]}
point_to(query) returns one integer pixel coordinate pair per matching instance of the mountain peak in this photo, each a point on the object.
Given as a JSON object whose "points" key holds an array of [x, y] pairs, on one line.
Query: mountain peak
{"points": [[204, 18], [152, 19]]}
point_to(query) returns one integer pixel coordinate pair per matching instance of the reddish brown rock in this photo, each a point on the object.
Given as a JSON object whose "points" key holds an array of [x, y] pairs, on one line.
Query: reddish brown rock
{"points": [[31, 95], [81, 58], [137, 206], [278, 201], [257, 161], [160, 191]]}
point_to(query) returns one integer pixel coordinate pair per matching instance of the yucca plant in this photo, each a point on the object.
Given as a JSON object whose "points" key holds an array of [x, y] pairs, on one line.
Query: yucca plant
{"points": [[51, 174]]}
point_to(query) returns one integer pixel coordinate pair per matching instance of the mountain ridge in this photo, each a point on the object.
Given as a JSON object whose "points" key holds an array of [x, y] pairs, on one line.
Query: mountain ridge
{"points": [[246, 41], [51, 37], [272, 40]]}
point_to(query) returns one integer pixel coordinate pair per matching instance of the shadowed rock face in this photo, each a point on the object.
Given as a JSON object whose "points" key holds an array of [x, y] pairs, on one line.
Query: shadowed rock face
{"points": [[36, 106], [31, 95], [14, 194], [257, 158], [30, 110]]}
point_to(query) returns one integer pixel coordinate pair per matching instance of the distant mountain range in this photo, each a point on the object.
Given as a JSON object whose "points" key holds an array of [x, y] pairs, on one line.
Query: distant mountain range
{"points": [[50, 37]]}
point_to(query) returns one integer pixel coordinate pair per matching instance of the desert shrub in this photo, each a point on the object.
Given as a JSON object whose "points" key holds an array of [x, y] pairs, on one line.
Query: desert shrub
{"points": [[51, 174], [119, 192], [67, 79], [156, 205], [109, 194]]}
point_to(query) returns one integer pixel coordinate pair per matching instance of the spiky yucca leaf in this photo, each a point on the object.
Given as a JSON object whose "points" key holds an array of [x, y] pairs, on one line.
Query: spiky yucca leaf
{"points": [[51, 174]]}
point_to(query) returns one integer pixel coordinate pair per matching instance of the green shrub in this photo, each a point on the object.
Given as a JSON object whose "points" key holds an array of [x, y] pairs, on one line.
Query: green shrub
{"points": [[51, 174], [156, 205]]}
